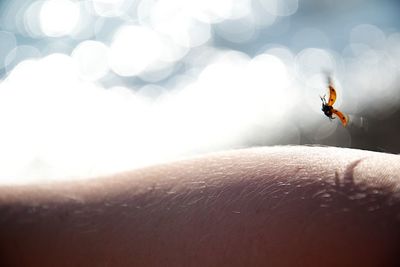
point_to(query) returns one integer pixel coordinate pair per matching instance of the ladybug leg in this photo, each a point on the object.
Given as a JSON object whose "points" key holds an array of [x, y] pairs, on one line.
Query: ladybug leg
{"points": [[323, 99]]}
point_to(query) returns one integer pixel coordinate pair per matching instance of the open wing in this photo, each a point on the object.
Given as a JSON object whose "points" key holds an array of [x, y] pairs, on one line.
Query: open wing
{"points": [[332, 95], [343, 118]]}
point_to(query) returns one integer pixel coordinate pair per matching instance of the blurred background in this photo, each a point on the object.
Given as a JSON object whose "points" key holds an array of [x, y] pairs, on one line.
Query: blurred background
{"points": [[100, 86]]}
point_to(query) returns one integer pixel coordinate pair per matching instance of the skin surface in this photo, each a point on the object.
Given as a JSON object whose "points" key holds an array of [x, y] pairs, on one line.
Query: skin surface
{"points": [[273, 206]]}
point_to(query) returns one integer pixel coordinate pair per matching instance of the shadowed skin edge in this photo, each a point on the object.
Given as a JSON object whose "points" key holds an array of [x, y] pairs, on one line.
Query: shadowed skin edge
{"points": [[303, 206]]}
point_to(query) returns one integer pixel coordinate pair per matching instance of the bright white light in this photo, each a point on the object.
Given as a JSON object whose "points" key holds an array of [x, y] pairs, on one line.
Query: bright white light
{"points": [[210, 11], [167, 18], [283, 53], [213, 11], [261, 17], [109, 8], [139, 50], [376, 79], [311, 61], [268, 81], [269, 69], [57, 127], [58, 122], [134, 49], [60, 127], [157, 73], [86, 24], [20, 53], [232, 95], [91, 58], [18, 16], [207, 11], [59, 17], [31, 19], [53, 123]]}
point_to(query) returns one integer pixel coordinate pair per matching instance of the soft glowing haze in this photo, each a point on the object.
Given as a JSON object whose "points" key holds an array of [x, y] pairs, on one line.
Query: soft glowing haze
{"points": [[96, 87]]}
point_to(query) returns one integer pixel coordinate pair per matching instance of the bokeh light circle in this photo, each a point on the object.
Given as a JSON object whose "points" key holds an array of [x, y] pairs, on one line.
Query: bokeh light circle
{"points": [[280, 7], [7, 44], [58, 17], [91, 58]]}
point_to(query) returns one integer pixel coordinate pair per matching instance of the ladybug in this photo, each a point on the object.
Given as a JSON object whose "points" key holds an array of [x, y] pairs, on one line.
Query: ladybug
{"points": [[327, 107]]}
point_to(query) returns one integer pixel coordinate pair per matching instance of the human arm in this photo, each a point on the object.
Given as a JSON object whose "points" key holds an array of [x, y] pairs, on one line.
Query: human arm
{"points": [[277, 206]]}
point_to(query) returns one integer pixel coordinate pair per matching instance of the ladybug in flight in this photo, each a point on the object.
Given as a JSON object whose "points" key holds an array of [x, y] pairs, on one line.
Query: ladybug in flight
{"points": [[327, 107]]}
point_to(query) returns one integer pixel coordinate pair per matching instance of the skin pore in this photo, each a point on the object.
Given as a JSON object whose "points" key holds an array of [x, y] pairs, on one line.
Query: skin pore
{"points": [[271, 206]]}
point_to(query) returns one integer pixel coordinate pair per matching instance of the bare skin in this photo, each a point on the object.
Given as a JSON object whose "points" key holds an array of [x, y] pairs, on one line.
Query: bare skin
{"points": [[277, 206]]}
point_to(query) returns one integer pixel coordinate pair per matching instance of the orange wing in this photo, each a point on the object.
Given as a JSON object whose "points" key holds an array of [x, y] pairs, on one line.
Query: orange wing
{"points": [[332, 95], [343, 118]]}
